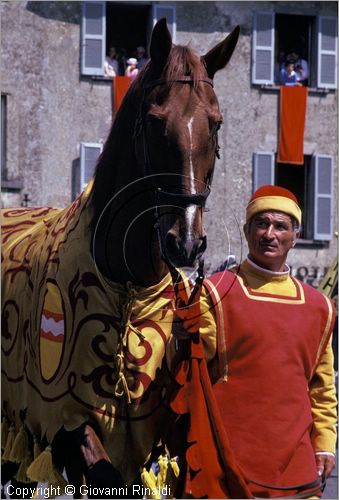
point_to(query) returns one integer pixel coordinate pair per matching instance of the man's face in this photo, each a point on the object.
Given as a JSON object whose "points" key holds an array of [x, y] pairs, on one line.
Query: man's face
{"points": [[270, 236], [290, 68]]}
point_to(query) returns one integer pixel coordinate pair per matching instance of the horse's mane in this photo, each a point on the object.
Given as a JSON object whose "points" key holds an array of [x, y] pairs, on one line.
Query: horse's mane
{"points": [[182, 61]]}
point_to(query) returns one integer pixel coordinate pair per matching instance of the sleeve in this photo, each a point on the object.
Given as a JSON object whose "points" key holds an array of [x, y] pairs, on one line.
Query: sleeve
{"points": [[304, 66], [208, 326], [282, 77], [324, 403]]}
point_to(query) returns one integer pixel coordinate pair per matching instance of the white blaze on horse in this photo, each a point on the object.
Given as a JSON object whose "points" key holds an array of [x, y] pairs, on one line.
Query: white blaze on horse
{"points": [[87, 294]]}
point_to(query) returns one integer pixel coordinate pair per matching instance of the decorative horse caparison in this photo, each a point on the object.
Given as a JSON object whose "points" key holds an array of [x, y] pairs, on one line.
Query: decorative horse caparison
{"points": [[87, 293]]}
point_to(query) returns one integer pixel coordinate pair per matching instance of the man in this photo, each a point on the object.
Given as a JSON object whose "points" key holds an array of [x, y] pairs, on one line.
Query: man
{"points": [[274, 384], [142, 60]]}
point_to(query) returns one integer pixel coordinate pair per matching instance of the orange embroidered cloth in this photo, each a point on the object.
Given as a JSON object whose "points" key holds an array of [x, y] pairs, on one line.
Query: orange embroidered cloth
{"points": [[292, 125], [120, 87], [76, 347]]}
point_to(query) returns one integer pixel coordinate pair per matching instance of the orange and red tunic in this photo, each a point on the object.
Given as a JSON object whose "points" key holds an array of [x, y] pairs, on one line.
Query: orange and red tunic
{"points": [[275, 388]]}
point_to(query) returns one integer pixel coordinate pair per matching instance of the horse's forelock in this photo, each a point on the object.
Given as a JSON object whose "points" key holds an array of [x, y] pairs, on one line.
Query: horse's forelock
{"points": [[183, 61]]}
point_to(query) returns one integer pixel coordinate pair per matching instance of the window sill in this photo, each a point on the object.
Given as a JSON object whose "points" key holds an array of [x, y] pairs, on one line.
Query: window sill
{"points": [[97, 78], [312, 244], [101, 78], [11, 185], [311, 90]]}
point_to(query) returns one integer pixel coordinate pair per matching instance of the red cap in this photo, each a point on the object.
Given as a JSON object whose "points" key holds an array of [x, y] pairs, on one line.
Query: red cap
{"points": [[273, 198]]}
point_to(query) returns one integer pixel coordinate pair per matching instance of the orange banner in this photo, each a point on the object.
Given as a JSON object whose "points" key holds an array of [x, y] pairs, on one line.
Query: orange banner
{"points": [[292, 124], [120, 87]]}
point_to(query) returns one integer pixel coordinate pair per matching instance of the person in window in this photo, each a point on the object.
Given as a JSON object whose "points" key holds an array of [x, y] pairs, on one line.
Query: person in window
{"points": [[288, 76], [132, 70], [142, 60], [301, 61], [279, 65], [111, 65], [273, 378], [301, 69]]}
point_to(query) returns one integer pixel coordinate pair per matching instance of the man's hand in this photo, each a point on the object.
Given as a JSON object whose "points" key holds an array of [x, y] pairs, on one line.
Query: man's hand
{"points": [[325, 464], [92, 449]]}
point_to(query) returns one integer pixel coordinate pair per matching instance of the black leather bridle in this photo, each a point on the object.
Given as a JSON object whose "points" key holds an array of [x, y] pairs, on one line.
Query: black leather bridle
{"points": [[163, 197]]}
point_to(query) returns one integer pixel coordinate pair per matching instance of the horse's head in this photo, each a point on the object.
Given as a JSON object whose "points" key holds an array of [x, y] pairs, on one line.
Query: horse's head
{"points": [[177, 139], [157, 164]]}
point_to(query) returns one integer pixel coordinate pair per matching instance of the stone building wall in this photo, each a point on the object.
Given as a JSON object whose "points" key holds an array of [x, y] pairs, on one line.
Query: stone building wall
{"points": [[52, 108]]}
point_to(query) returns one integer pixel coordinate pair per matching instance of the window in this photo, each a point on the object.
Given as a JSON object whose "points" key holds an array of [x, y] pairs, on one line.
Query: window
{"points": [[312, 184], [312, 38], [89, 154], [122, 25], [3, 136]]}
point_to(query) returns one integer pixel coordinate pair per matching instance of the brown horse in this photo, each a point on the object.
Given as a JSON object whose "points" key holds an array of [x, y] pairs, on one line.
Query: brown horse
{"points": [[88, 299]]}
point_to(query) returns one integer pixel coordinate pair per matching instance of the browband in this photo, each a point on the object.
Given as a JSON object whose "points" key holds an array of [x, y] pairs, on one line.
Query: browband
{"points": [[182, 79]]}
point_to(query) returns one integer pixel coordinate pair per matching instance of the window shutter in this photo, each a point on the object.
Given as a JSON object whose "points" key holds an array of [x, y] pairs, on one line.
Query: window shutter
{"points": [[3, 157], [168, 11], [263, 48], [263, 169], [327, 52], [93, 38], [323, 197], [89, 154]]}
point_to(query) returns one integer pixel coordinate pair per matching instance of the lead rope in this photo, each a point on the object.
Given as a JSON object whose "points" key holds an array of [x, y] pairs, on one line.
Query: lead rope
{"points": [[185, 311]]}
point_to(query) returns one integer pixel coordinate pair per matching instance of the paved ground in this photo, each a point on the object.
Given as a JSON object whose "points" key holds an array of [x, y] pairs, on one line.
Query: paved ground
{"points": [[331, 490]]}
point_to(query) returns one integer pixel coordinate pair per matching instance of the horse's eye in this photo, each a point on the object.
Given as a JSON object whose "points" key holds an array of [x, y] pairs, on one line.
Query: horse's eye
{"points": [[214, 125], [217, 126], [156, 123]]}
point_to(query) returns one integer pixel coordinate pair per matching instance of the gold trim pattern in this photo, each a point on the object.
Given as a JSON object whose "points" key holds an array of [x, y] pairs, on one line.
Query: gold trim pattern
{"points": [[324, 335], [273, 298], [223, 352]]}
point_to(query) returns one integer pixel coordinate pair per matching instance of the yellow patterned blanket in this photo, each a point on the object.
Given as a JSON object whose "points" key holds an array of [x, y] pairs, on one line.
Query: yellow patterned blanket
{"points": [[75, 346]]}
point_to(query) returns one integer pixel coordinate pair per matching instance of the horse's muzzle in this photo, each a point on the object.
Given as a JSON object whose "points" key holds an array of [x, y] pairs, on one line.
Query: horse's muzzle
{"points": [[183, 252]]}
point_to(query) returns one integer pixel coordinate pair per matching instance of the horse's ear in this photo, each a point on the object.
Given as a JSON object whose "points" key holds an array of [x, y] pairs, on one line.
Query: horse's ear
{"points": [[161, 43], [218, 57]]}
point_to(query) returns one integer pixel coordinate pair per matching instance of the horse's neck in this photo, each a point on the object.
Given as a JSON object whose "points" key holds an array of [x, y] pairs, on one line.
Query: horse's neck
{"points": [[126, 246], [134, 258]]}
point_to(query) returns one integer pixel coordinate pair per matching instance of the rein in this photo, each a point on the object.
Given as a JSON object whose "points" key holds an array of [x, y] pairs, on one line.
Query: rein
{"points": [[187, 310]]}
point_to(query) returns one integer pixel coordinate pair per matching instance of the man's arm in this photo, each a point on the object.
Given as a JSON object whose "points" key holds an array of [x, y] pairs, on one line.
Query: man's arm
{"points": [[208, 326], [324, 411]]}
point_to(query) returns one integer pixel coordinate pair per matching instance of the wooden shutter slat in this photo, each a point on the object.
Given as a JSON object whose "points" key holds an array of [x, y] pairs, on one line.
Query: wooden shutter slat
{"points": [[323, 194], [263, 48], [93, 38], [89, 154], [169, 12], [327, 52], [263, 169]]}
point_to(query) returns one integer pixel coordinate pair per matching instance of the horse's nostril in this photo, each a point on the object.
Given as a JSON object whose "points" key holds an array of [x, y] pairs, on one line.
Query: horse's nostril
{"points": [[182, 252]]}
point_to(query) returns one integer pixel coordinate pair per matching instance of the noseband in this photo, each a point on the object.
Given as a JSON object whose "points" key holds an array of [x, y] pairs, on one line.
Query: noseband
{"points": [[166, 197]]}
